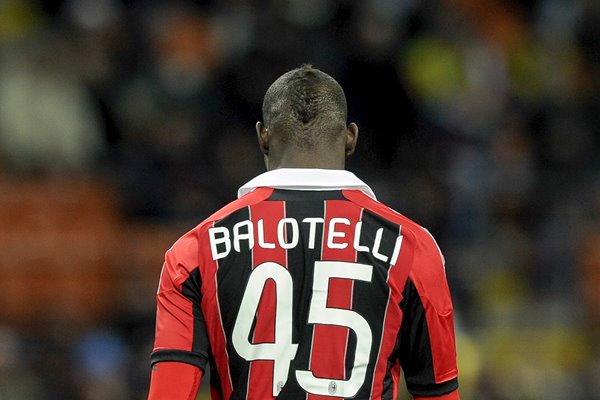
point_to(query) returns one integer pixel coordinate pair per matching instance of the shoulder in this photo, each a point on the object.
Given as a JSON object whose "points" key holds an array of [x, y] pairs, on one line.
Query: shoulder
{"points": [[253, 197], [188, 248], [427, 266], [410, 229]]}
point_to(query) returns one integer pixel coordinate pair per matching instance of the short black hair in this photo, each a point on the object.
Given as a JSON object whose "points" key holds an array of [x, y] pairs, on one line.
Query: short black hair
{"points": [[305, 106]]}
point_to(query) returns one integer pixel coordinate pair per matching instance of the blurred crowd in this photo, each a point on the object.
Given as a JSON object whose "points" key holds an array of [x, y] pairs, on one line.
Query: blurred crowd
{"points": [[125, 123]]}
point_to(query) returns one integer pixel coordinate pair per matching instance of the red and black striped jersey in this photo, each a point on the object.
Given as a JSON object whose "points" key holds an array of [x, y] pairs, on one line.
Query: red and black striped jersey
{"points": [[306, 287]]}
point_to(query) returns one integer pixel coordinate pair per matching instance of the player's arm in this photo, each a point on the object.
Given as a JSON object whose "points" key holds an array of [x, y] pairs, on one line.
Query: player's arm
{"points": [[181, 345], [174, 380], [427, 349]]}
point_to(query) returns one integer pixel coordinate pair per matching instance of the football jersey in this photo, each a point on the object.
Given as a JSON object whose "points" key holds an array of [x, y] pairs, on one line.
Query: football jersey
{"points": [[307, 287]]}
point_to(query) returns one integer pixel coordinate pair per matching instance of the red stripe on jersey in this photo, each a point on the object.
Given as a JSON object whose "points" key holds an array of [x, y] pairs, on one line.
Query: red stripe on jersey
{"points": [[330, 343], [265, 217], [212, 316], [397, 276]]}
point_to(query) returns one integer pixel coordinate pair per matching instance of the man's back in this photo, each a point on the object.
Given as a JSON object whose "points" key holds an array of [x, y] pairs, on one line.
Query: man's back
{"points": [[309, 293], [305, 287]]}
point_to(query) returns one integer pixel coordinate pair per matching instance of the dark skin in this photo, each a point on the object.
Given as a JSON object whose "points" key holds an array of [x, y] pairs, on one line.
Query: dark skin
{"points": [[325, 156]]}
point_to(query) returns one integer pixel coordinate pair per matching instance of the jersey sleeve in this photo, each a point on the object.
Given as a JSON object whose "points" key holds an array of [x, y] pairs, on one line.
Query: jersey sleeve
{"points": [[427, 349], [181, 333]]}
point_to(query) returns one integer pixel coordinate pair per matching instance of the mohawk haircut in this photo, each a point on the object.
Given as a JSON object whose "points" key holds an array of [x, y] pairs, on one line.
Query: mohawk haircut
{"points": [[305, 107]]}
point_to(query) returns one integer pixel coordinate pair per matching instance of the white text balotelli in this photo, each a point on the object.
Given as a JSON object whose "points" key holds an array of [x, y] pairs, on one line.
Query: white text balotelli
{"points": [[243, 236]]}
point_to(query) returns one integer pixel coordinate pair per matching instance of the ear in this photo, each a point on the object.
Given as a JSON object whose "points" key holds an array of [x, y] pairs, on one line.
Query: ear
{"points": [[351, 138], [263, 135]]}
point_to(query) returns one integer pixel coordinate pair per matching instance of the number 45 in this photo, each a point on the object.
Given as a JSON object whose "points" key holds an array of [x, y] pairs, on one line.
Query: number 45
{"points": [[282, 350]]}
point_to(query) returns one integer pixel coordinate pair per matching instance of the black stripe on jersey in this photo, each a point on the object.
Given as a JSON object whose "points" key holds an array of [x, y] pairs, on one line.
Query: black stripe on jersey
{"points": [[301, 259], [371, 299], [232, 277], [414, 348], [191, 288], [436, 389], [306, 195], [215, 380]]}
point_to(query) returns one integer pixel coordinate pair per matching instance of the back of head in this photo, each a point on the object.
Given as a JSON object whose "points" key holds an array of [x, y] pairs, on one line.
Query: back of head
{"points": [[305, 107]]}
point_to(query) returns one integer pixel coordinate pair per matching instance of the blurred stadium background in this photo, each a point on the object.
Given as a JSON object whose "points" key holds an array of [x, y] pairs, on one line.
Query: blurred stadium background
{"points": [[125, 123]]}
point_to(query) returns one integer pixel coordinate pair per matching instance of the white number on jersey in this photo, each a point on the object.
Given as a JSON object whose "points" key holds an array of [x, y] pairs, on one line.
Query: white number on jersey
{"points": [[282, 351]]}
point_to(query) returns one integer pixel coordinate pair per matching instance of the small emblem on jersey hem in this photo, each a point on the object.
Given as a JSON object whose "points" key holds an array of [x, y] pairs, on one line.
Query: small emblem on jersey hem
{"points": [[332, 387]]}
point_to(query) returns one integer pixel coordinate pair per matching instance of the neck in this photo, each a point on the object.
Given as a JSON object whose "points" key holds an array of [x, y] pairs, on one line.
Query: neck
{"points": [[305, 160]]}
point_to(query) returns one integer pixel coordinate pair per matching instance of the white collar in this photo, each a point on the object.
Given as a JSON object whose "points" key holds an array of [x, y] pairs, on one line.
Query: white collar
{"points": [[307, 179]]}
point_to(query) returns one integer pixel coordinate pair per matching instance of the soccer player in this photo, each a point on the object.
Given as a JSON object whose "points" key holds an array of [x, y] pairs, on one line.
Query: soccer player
{"points": [[305, 287]]}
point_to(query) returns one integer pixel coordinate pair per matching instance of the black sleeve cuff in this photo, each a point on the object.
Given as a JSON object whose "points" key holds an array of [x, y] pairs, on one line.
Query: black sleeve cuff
{"points": [[197, 359], [432, 390]]}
